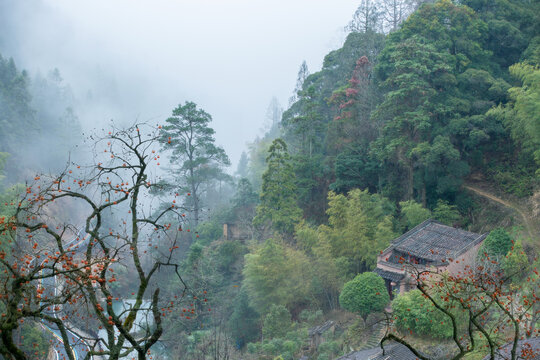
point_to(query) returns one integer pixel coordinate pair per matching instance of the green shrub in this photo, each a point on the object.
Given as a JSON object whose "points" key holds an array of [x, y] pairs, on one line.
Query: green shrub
{"points": [[269, 348], [290, 346], [244, 321], [278, 348], [228, 253], [209, 231], [446, 213], [415, 313], [277, 322], [497, 244], [310, 316], [516, 263], [254, 348], [365, 294], [413, 213], [329, 348], [518, 182]]}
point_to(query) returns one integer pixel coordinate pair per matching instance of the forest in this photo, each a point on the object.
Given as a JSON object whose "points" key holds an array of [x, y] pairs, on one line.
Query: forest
{"points": [[138, 241]]}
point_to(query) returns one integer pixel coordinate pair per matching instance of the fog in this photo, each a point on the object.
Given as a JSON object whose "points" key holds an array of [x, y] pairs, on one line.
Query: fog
{"points": [[137, 60]]}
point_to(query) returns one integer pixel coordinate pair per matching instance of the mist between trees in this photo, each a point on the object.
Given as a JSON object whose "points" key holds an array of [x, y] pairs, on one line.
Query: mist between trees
{"points": [[137, 241]]}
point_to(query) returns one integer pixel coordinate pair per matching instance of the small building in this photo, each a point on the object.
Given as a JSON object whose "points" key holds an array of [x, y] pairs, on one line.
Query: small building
{"points": [[428, 245], [318, 334], [233, 231]]}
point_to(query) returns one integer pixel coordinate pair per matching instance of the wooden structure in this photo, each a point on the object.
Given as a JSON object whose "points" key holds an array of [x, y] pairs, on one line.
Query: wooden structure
{"points": [[317, 334]]}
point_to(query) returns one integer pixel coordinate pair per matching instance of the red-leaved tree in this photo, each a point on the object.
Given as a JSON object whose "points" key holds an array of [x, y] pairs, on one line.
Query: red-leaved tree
{"points": [[80, 250], [482, 305]]}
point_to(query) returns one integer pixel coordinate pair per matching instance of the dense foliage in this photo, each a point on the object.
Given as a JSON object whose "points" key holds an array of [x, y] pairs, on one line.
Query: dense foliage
{"points": [[497, 244], [380, 139], [422, 98], [278, 210], [38, 112], [359, 227]]}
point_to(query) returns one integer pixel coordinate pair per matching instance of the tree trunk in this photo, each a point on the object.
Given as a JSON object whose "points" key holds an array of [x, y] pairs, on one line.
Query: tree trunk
{"points": [[194, 195], [410, 181], [195, 210]]}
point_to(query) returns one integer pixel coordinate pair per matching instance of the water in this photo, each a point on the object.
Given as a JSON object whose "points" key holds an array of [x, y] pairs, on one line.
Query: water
{"points": [[142, 321]]}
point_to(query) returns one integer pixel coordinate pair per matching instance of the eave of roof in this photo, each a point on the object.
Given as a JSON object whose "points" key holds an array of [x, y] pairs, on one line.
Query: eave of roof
{"points": [[389, 275]]}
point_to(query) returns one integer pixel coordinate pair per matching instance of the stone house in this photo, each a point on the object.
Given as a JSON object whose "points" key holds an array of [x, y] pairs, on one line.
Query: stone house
{"points": [[428, 245], [234, 231]]}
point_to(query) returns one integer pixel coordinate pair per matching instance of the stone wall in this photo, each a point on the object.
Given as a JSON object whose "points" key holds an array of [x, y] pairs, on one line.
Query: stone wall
{"points": [[235, 232]]}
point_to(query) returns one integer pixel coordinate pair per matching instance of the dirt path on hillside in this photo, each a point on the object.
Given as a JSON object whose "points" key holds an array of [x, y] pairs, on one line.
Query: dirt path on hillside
{"points": [[529, 226]]}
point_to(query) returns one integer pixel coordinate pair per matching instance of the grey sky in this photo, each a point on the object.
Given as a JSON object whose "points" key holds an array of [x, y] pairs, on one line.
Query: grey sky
{"points": [[139, 59]]}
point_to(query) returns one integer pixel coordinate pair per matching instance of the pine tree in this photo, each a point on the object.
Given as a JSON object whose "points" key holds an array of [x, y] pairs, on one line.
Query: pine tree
{"points": [[195, 158], [278, 209]]}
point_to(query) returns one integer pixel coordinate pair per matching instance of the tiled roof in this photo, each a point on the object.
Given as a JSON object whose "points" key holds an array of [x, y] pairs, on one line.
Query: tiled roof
{"points": [[433, 241], [528, 349], [360, 355], [393, 351], [389, 275]]}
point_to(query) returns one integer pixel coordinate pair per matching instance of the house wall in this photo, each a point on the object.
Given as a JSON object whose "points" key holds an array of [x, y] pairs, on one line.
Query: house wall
{"points": [[235, 232], [455, 267], [225, 231], [466, 259], [391, 267]]}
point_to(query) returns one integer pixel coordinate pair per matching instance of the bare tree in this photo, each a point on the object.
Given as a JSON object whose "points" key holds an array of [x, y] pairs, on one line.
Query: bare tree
{"points": [[54, 271], [303, 73], [366, 18], [394, 12], [273, 115], [415, 4]]}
